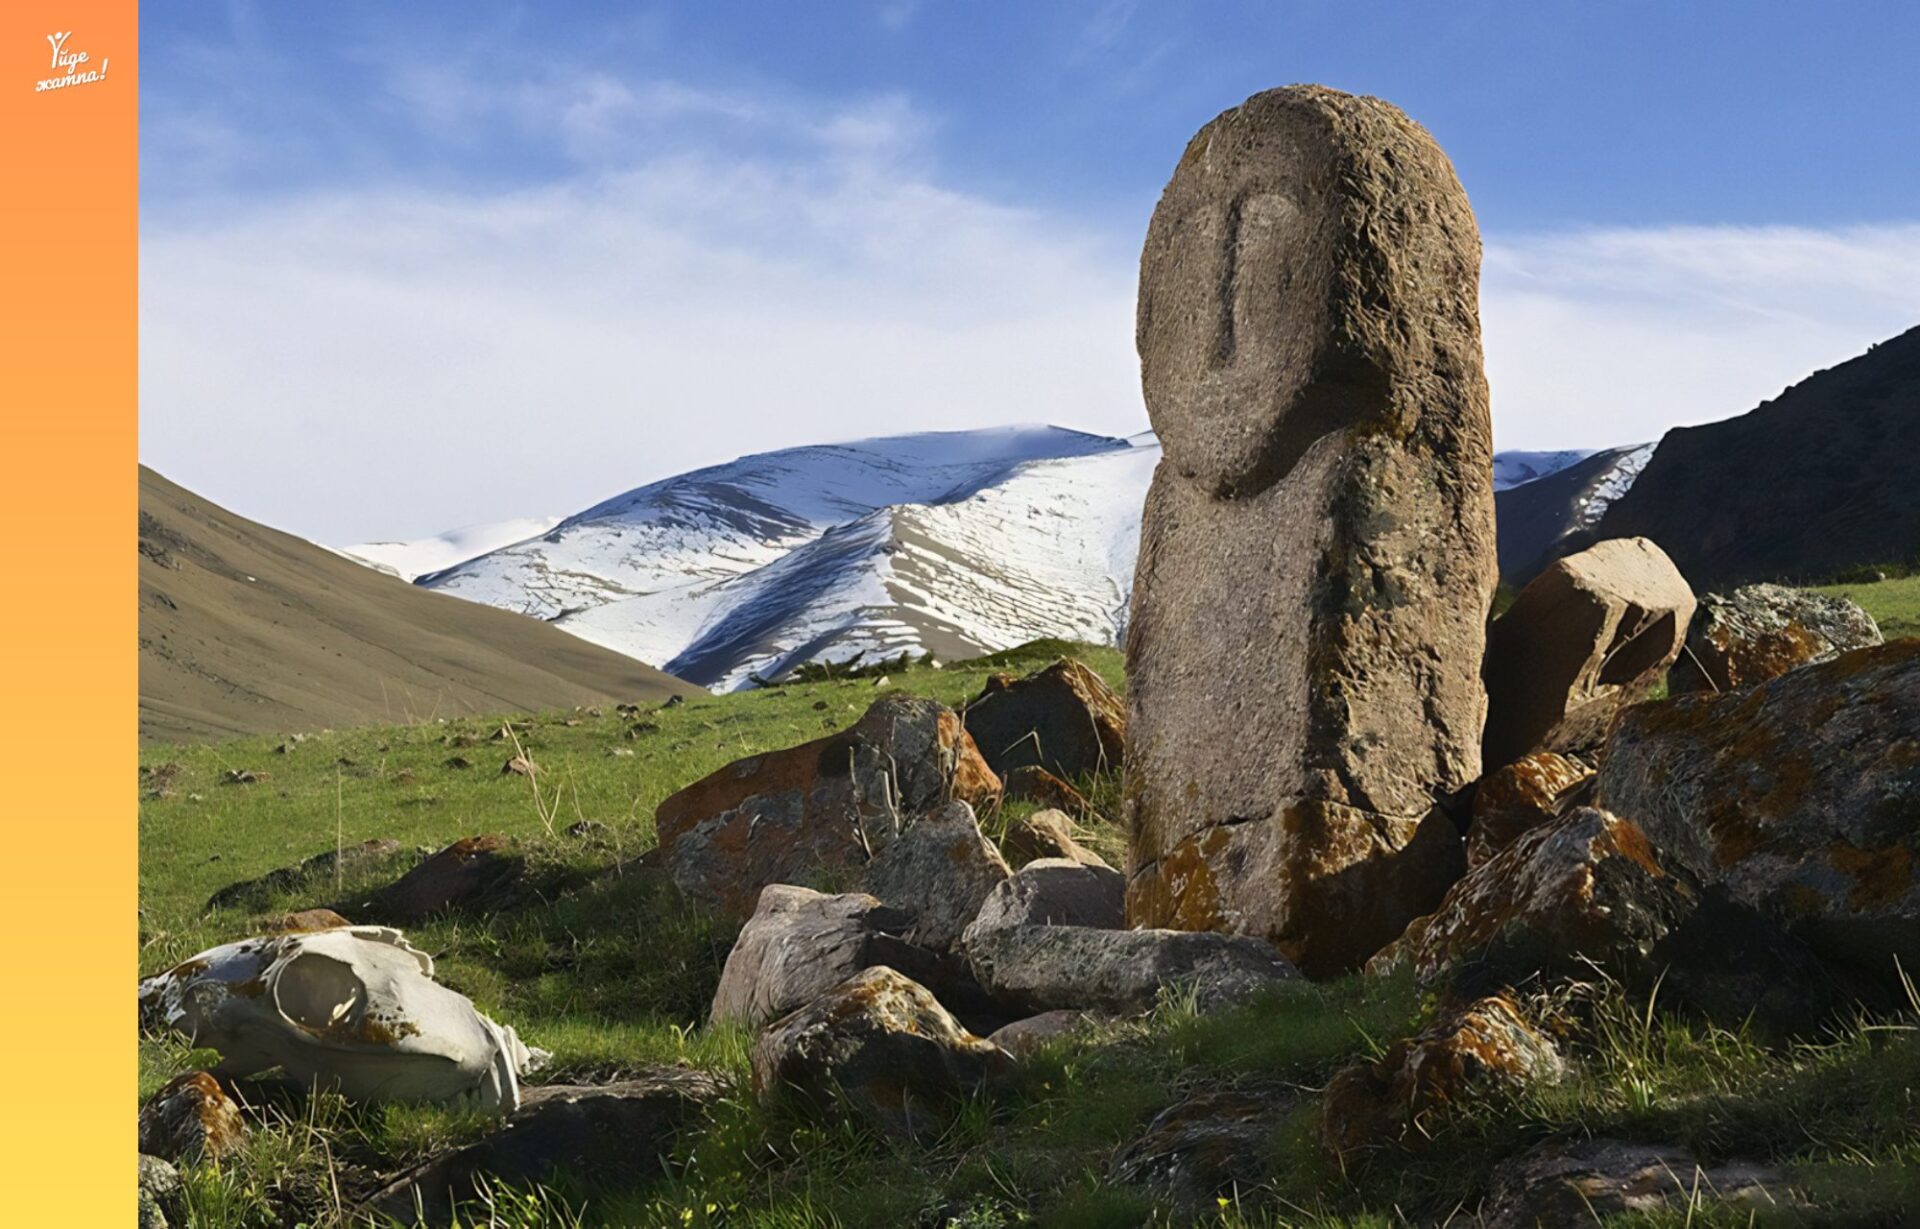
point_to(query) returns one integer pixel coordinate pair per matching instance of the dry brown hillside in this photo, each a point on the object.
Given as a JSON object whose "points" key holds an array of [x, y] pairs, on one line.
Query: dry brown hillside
{"points": [[244, 629]]}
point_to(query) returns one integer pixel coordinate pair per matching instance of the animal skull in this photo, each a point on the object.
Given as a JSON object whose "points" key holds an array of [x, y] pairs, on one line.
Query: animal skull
{"points": [[354, 1008]]}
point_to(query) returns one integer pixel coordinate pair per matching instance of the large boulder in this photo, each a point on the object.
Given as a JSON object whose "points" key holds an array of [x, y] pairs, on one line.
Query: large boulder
{"points": [[940, 870], [1486, 1047], [191, 1119], [1799, 797], [1064, 720], [1583, 1181], [787, 816], [1048, 968], [879, 1044], [1054, 892], [1591, 634], [1511, 801], [1317, 548], [1587, 887], [601, 1137], [1203, 1150], [1759, 632]]}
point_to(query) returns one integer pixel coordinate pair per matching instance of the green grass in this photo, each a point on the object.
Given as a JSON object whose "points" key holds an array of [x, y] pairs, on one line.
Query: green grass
{"points": [[1893, 603], [617, 975]]}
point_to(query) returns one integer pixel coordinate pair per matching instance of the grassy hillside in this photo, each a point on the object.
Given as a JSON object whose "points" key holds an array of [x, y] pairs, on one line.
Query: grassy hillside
{"points": [[244, 629], [1894, 604], [617, 974]]}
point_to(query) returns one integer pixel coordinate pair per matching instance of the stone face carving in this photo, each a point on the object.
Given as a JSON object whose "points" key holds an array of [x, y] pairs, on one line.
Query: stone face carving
{"points": [[1317, 553], [354, 1008]]}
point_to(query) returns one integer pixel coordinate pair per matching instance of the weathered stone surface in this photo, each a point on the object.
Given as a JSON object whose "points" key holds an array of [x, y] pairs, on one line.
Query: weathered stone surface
{"points": [[1759, 632], [1800, 797], [1031, 783], [1205, 1148], [1591, 634], [1024, 1037], [1533, 790], [801, 943], [1329, 885], [1317, 550], [1063, 719], [785, 816], [1047, 968], [163, 1201], [880, 1044], [474, 874], [603, 1137], [1585, 887], [318, 871], [1488, 1046], [940, 870], [1046, 834], [191, 1119], [1053, 892], [303, 920], [1579, 1183]]}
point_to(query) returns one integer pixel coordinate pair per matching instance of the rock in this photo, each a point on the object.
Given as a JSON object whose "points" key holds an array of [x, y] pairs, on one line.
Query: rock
{"points": [[1317, 549], [303, 920], [519, 766], [1031, 783], [940, 870], [1580, 1182], [603, 1137], [1046, 834], [1591, 634], [800, 943], [880, 1045], [475, 874], [1064, 720], [320, 869], [1048, 968], [1511, 801], [1206, 1148], [1025, 1037], [1487, 1046], [191, 1119], [1053, 892], [1800, 797], [785, 816], [1759, 632], [163, 1201], [1583, 888]]}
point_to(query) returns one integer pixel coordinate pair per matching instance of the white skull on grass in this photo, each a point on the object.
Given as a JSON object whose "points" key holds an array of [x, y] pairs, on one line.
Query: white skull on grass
{"points": [[355, 1009]]}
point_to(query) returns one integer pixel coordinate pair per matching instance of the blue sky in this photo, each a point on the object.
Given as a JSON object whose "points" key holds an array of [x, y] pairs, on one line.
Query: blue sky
{"points": [[411, 266]]}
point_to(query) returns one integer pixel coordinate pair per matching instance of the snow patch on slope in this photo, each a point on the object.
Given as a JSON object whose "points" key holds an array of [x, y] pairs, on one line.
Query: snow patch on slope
{"points": [[420, 556], [1510, 469]]}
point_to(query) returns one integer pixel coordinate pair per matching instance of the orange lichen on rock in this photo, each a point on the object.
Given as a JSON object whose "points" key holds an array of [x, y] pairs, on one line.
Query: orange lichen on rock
{"points": [[1532, 790]]}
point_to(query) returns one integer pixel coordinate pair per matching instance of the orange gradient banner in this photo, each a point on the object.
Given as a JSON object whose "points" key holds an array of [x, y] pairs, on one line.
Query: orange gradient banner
{"points": [[69, 312]]}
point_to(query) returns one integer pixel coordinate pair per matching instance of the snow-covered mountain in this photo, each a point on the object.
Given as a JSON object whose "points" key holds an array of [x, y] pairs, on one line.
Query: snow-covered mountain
{"points": [[951, 543], [1542, 519], [1511, 469], [417, 557]]}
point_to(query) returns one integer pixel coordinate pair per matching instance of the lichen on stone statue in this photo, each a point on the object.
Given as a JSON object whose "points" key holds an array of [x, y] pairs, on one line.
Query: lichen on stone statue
{"points": [[1317, 551]]}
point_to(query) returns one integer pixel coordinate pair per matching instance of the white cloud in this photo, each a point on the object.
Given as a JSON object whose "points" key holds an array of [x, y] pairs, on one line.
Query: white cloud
{"points": [[1609, 336]]}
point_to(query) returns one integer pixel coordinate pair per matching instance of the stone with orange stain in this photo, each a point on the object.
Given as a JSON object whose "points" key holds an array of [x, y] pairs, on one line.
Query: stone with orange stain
{"points": [[1064, 720], [1759, 632], [1488, 1046], [191, 1119], [1329, 885], [1799, 797], [939, 871], [1586, 887], [788, 816], [473, 874], [1531, 791], [302, 920], [878, 1044], [1032, 783]]}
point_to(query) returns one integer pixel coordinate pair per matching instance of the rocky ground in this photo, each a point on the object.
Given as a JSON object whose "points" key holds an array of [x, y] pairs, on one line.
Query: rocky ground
{"points": [[932, 1015]]}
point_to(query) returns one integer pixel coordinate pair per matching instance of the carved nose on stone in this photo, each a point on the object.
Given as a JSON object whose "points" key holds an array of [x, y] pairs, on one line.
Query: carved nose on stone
{"points": [[317, 992]]}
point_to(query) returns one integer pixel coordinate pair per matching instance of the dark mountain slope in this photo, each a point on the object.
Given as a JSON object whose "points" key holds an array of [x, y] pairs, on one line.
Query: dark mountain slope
{"points": [[244, 629], [1823, 477]]}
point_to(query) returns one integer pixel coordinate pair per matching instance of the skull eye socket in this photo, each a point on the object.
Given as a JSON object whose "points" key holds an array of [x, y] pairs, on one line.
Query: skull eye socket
{"points": [[317, 992]]}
